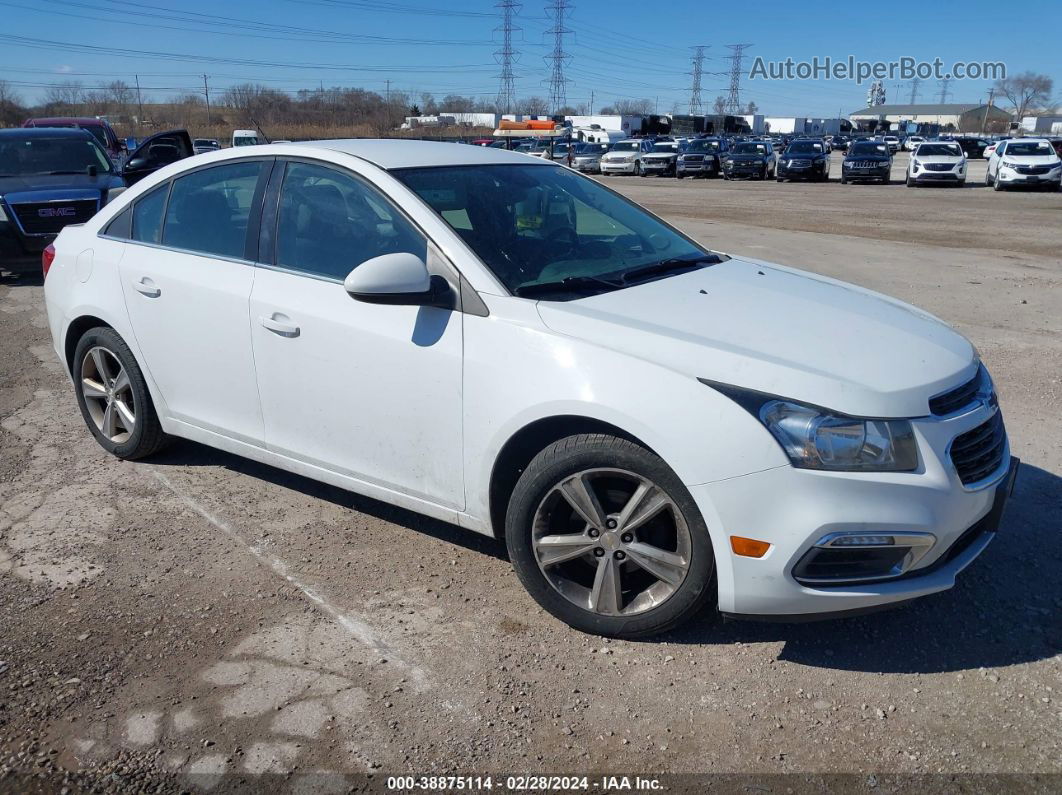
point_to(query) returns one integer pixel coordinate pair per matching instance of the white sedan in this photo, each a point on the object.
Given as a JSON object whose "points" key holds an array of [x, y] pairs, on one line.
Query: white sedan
{"points": [[505, 344], [942, 162]]}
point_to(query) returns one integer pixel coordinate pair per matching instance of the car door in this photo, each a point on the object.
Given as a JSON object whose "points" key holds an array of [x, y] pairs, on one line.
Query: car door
{"points": [[370, 391], [993, 161], [155, 152], [187, 273]]}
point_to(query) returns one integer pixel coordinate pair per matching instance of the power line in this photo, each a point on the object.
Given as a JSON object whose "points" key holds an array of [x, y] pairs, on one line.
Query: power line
{"points": [[506, 56], [557, 83], [695, 90], [914, 91], [733, 99]]}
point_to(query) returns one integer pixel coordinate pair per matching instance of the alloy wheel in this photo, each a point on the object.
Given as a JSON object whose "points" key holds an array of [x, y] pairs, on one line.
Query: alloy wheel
{"points": [[611, 542], [108, 394]]}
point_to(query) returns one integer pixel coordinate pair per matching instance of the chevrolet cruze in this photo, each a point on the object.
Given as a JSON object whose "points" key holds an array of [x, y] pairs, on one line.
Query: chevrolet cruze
{"points": [[502, 343]]}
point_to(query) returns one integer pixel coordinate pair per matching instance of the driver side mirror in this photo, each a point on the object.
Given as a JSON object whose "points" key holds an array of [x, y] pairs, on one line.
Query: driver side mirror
{"points": [[400, 280]]}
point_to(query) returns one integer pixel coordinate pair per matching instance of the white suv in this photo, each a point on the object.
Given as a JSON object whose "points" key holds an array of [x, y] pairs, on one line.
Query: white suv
{"points": [[937, 161], [502, 343], [625, 157], [1024, 161]]}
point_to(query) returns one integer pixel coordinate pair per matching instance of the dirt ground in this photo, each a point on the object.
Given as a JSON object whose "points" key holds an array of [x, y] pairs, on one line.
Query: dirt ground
{"points": [[199, 621]]}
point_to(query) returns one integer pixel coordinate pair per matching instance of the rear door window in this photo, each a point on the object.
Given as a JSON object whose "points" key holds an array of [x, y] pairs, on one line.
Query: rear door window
{"points": [[209, 210], [147, 215]]}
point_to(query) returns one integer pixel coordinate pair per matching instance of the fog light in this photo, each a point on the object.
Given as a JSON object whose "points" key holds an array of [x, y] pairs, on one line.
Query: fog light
{"points": [[849, 558], [862, 541], [748, 547]]}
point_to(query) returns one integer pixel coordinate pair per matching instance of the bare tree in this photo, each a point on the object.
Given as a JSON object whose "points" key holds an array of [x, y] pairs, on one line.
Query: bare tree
{"points": [[65, 96], [11, 110], [634, 107], [752, 109], [1026, 92], [455, 103], [533, 106], [719, 106]]}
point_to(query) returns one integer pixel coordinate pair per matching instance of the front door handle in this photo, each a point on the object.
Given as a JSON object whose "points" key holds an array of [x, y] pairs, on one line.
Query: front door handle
{"points": [[276, 323], [147, 287]]}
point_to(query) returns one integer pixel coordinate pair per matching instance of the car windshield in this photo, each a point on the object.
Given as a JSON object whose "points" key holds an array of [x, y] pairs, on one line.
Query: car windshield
{"points": [[627, 146], [703, 146], [546, 231], [37, 155], [939, 150], [750, 149], [1029, 148], [804, 148], [665, 147], [868, 148], [591, 149]]}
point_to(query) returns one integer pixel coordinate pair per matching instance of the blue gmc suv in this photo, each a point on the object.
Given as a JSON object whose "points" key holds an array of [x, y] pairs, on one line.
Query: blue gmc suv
{"points": [[51, 177]]}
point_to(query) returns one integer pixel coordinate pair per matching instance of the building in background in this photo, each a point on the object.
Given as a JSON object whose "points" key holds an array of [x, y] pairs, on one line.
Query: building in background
{"points": [[955, 117]]}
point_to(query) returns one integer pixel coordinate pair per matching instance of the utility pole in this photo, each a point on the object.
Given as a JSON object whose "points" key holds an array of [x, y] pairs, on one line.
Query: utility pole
{"points": [[944, 90], [733, 100], [139, 104], [984, 118], [387, 103], [206, 93], [591, 102], [698, 68], [506, 56], [558, 58]]}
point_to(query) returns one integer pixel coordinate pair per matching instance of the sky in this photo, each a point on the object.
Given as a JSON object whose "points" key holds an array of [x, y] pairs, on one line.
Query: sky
{"points": [[617, 48]]}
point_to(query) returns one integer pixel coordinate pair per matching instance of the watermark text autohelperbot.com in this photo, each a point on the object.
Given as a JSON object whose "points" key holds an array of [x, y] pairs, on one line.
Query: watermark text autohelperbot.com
{"points": [[905, 68]]}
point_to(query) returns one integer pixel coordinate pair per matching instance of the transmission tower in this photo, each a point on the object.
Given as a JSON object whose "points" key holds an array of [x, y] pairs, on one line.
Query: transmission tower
{"points": [[698, 69], [506, 56], [914, 91], [558, 58], [944, 90], [733, 99]]}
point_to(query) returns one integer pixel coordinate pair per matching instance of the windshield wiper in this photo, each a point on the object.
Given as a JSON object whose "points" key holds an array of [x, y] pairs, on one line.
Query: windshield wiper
{"points": [[567, 283], [81, 173], [670, 266]]}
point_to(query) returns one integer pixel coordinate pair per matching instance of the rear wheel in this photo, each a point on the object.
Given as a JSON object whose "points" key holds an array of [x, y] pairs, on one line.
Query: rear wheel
{"points": [[113, 396], [605, 537]]}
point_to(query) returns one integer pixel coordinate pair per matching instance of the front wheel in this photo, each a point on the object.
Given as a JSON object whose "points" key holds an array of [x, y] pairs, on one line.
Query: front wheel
{"points": [[910, 182], [638, 172], [113, 396], [996, 183], [605, 537]]}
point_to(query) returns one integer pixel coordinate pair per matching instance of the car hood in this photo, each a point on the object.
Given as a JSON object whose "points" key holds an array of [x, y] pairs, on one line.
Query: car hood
{"points": [[618, 155], [661, 155], [950, 159], [1031, 160], [781, 331], [850, 158], [745, 158], [57, 184]]}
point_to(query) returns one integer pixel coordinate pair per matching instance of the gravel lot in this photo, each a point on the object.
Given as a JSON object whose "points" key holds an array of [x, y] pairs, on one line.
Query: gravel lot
{"points": [[198, 619]]}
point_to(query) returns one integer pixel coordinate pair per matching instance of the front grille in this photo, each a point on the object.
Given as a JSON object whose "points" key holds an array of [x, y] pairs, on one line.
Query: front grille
{"points": [[978, 453], [958, 398], [938, 166], [799, 163], [694, 158], [866, 164], [1033, 169], [48, 218]]}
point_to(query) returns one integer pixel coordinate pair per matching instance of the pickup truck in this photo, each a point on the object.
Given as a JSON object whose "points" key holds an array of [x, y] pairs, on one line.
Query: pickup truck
{"points": [[51, 177]]}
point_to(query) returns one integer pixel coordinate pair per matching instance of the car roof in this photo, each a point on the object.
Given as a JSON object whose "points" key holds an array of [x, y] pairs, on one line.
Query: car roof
{"points": [[397, 153], [83, 120], [46, 132]]}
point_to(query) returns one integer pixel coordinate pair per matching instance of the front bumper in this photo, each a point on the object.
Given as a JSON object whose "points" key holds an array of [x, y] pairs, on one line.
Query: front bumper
{"points": [[658, 166], [588, 166], [618, 168], [793, 509], [744, 170], [938, 176], [1010, 177], [801, 172], [20, 254], [696, 167], [866, 173]]}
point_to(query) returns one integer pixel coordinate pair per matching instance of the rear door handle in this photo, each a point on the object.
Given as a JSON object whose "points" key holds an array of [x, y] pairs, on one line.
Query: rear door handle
{"points": [[276, 323], [147, 287]]}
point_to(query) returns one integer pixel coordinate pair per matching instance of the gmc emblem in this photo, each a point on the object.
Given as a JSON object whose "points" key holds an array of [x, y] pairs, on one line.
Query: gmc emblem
{"points": [[56, 212]]}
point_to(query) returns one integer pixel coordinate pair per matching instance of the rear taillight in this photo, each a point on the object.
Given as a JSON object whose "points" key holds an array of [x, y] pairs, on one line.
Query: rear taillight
{"points": [[47, 258]]}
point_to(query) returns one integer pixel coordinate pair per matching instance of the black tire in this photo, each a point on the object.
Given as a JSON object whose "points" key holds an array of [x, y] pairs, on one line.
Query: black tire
{"points": [[844, 180], [886, 180], [779, 179], [910, 182], [996, 183], [588, 451], [147, 436]]}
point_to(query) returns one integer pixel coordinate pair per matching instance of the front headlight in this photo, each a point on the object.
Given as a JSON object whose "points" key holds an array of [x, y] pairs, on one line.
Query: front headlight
{"points": [[3, 215], [1008, 164], [916, 163], [817, 438]]}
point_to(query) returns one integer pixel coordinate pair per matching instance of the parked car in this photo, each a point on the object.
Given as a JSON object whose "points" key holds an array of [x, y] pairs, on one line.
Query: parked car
{"points": [[245, 138], [100, 129], [937, 161], [911, 142], [588, 157], [805, 158], [52, 177], [661, 159], [751, 159], [1024, 161], [1057, 144], [625, 157], [701, 158], [756, 468], [972, 147], [893, 143], [867, 161], [201, 145], [988, 150], [840, 142]]}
